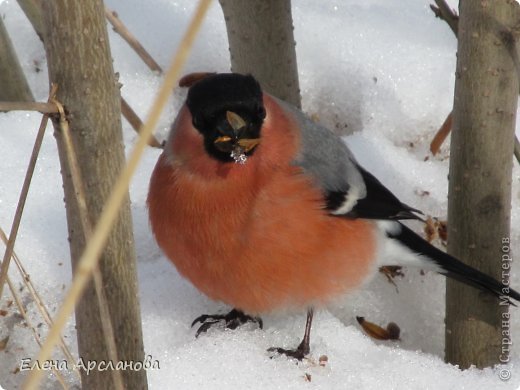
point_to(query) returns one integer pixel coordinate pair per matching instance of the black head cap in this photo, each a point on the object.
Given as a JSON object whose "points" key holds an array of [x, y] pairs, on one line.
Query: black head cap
{"points": [[212, 98]]}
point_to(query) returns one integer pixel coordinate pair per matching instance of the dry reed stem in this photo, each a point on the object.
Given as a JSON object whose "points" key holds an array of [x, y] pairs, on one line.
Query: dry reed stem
{"points": [[23, 197], [88, 260], [19, 304], [38, 301]]}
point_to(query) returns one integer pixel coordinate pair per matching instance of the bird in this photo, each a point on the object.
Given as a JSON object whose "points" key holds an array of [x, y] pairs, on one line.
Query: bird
{"points": [[263, 209]]}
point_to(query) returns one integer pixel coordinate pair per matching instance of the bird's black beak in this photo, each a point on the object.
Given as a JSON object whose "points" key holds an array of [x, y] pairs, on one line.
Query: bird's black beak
{"points": [[230, 143]]}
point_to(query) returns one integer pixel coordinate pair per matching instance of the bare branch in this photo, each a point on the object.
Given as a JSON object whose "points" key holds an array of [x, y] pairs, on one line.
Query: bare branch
{"points": [[44, 108], [444, 12], [121, 29], [441, 135], [136, 122], [13, 84]]}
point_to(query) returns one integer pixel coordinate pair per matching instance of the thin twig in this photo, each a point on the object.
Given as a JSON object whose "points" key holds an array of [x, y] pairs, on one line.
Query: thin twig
{"points": [[121, 29], [44, 108], [136, 122], [79, 190], [441, 135], [39, 302], [444, 12], [23, 197], [90, 256]]}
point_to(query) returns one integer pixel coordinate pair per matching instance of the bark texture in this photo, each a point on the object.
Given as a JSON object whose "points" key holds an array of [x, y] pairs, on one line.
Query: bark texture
{"points": [[80, 63], [13, 84], [486, 93], [261, 42]]}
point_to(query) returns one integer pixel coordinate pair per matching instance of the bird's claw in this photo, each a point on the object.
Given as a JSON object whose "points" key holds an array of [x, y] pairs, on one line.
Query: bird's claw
{"points": [[232, 320], [298, 353]]}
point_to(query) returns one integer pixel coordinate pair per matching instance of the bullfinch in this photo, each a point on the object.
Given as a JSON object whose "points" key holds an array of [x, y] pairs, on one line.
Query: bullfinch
{"points": [[263, 209]]}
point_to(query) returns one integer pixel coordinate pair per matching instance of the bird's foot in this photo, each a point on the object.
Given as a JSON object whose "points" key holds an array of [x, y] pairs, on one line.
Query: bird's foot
{"points": [[232, 320], [298, 353]]}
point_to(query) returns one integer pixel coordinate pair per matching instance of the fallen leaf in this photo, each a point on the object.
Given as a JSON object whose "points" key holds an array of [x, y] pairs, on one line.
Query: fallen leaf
{"points": [[391, 332]]}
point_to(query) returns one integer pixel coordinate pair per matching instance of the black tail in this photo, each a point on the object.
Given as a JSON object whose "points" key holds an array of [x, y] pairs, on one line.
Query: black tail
{"points": [[452, 267]]}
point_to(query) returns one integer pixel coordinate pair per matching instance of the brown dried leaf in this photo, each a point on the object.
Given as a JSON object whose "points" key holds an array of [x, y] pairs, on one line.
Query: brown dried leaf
{"points": [[436, 229], [429, 229], [391, 332], [391, 272]]}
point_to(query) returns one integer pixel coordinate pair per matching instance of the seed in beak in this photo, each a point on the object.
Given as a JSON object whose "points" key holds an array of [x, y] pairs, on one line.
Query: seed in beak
{"points": [[235, 121], [224, 138], [248, 143]]}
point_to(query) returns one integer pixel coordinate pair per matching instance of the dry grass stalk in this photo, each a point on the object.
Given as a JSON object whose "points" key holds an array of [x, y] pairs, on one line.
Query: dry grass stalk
{"points": [[22, 311], [38, 301], [23, 197], [88, 260]]}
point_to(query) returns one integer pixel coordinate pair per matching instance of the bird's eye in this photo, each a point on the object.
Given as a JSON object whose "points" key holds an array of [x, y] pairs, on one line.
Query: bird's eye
{"points": [[198, 122], [261, 112]]}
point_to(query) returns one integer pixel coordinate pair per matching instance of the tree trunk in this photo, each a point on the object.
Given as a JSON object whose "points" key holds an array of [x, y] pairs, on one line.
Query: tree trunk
{"points": [[80, 63], [13, 84], [486, 93], [261, 42]]}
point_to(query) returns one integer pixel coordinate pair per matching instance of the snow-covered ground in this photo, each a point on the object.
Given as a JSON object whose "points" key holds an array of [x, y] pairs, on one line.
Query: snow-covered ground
{"points": [[382, 70]]}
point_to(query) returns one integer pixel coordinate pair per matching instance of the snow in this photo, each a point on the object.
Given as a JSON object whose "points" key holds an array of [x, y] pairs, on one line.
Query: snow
{"points": [[380, 71]]}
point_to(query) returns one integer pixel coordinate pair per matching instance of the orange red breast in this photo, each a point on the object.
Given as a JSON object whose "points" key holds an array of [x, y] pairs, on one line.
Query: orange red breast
{"points": [[255, 236]]}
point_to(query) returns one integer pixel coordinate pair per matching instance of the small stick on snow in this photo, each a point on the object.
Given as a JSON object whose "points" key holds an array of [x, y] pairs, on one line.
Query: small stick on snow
{"points": [[441, 135]]}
